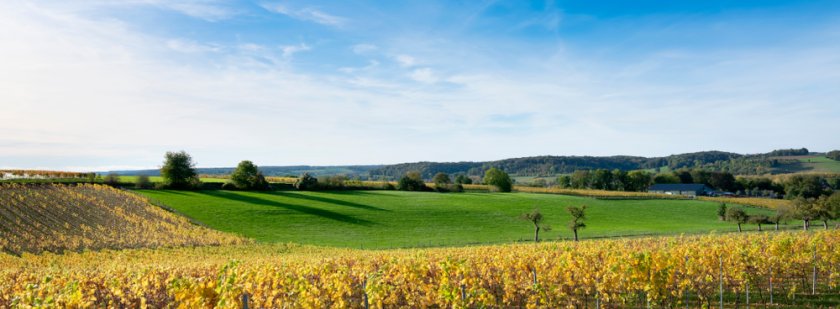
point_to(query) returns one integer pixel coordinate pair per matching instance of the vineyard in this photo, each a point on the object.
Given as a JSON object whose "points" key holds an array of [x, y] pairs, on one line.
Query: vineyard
{"points": [[756, 268], [53, 217], [750, 201]]}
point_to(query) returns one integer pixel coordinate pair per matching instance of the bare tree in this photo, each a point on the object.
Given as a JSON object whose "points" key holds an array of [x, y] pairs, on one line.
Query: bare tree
{"points": [[578, 216], [536, 218]]}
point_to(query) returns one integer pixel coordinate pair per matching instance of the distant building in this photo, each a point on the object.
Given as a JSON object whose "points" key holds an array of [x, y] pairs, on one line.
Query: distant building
{"points": [[687, 189]]}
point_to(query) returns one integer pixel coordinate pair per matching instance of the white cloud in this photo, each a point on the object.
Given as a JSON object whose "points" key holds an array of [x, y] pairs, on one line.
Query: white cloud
{"points": [[364, 48], [187, 46], [405, 60], [306, 14], [290, 50], [424, 75]]}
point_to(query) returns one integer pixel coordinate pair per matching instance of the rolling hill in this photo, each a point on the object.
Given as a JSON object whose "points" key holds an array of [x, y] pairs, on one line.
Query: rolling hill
{"points": [[54, 217]]}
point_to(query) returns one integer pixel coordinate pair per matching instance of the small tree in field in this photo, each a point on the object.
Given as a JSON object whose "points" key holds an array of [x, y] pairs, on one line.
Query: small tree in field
{"points": [[498, 179], [112, 179], [804, 209], [411, 181], [247, 176], [442, 182], [721, 211], [143, 182], [536, 218], [783, 213], [759, 220], [578, 216], [827, 208], [178, 171], [737, 215]]}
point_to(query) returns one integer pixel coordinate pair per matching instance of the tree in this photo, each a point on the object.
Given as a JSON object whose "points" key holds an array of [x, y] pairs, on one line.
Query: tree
{"points": [[411, 181], [834, 155], [721, 211], [564, 181], [580, 179], [759, 220], [578, 216], [441, 180], [112, 179], [462, 179], [178, 171], [804, 210], [806, 186], [498, 179], [142, 182], [536, 218], [306, 182], [827, 208], [638, 181], [247, 176], [737, 215], [782, 213]]}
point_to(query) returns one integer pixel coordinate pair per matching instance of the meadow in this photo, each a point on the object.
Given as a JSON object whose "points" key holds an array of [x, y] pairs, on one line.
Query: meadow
{"points": [[393, 219]]}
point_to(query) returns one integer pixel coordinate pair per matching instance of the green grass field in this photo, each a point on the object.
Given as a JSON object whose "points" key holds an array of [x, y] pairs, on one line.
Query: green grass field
{"points": [[809, 164], [389, 219]]}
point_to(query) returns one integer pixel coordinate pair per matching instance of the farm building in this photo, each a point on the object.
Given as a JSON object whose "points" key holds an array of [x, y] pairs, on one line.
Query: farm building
{"points": [[687, 189]]}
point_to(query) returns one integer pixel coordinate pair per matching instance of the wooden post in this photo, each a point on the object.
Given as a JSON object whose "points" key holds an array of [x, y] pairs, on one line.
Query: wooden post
{"points": [[721, 282], [364, 288], [771, 285], [814, 276], [748, 295]]}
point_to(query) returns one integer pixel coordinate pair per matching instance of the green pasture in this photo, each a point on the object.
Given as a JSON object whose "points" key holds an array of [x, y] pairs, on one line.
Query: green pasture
{"points": [[389, 219]]}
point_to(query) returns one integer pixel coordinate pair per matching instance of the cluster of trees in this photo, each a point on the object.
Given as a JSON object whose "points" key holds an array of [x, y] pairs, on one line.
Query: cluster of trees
{"points": [[834, 155], [601, 179], [825, 208], [575, 224], [178, 172]]}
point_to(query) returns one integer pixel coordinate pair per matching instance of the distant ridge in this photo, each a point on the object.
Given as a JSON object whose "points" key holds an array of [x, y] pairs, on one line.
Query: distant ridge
{"points": [[740, 164]]}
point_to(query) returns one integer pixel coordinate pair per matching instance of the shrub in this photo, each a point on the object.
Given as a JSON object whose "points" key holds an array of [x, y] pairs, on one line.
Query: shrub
{"points": [[143, 182], [112, 179], [229, 186], [306, 182], [462, 179], [411, 181], [336, 182]]}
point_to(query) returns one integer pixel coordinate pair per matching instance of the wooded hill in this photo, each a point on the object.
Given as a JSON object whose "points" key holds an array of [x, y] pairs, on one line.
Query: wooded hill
{"points": [[775, 162]]}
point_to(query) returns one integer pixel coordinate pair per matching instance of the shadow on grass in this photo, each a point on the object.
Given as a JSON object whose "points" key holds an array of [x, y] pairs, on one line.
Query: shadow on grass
{"points": [[299, 208], [327, 200]]}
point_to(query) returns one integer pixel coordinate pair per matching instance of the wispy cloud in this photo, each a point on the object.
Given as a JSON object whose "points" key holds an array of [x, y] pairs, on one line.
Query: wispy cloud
{"points": [[364, 48], [188, 46], [290, 50], [424, 75], [306, 14], [405, 60]]}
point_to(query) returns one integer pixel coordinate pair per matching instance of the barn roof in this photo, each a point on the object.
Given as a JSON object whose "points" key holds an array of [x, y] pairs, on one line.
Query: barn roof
{"points": [[678, 187]]}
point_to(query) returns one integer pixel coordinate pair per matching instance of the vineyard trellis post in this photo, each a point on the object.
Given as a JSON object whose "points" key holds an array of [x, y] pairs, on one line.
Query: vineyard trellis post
{"points": [[771, 285], [748, 294], [721, 281], [245, 300], [814, 274], [364, 288]]}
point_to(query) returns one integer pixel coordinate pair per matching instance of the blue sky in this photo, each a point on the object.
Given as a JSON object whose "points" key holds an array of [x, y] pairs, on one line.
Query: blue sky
{"points": [[98, 84]]}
